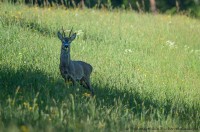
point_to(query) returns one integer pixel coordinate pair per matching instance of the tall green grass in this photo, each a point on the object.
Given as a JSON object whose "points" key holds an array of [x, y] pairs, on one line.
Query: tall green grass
{"points": [[146, 70]]}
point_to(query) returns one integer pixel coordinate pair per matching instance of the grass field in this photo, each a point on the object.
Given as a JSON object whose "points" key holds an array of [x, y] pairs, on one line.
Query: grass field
{"points": [[146, 71]]}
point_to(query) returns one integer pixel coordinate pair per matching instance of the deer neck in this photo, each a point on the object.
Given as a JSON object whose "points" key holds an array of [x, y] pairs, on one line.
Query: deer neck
{"points": [[65, 56]]}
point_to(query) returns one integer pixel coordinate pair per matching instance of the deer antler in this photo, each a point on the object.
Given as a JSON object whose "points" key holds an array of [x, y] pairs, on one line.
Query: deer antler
{"points": [[70, 32], [63, 32]]}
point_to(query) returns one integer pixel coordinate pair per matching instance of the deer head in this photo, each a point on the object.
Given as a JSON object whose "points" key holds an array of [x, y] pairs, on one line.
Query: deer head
{"points": [[66, 41]]}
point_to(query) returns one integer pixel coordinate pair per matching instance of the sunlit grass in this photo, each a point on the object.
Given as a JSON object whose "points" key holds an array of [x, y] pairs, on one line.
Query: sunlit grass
{"points": [[146, 70]]}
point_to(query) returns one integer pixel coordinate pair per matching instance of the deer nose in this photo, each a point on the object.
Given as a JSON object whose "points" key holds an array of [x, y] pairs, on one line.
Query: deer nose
{"points": [[66, 45]]}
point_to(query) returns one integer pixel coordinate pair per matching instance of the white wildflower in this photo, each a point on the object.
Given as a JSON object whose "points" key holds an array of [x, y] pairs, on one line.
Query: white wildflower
{"points": [[79, 32], [171, 44], [132, 26], [186, 47], [128, 51]]}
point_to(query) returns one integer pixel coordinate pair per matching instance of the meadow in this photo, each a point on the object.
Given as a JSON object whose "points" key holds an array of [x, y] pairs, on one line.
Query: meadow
{"points": [[146, 70]]}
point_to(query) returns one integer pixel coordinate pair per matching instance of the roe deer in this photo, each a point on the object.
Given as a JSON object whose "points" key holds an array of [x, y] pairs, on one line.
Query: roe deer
{"points": [[73, 70]]}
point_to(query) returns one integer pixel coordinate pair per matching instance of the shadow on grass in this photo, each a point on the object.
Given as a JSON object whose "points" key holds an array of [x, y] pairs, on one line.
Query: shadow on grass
{"points": [[29, 82]]}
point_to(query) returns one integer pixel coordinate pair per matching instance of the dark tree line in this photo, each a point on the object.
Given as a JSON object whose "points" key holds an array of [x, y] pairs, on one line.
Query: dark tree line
{"points": [[192, 7]]}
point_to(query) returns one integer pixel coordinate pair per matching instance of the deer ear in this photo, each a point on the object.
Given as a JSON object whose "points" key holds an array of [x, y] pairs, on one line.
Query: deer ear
{"points": [[73, 37], [60, 35]]}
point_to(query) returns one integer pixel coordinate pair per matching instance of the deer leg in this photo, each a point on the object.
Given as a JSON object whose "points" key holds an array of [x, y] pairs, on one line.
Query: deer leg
{"points": [[82, 83], [67, 79], [87, 82], [73, 80]]}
